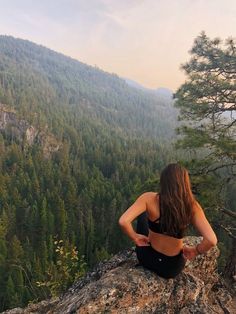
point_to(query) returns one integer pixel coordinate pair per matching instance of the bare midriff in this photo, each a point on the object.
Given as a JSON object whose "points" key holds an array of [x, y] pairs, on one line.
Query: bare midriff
{"points": [[165, 244]]}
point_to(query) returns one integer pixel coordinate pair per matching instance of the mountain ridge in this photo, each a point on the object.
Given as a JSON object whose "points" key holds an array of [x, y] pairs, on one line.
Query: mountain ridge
{"points": [[66, 80]]}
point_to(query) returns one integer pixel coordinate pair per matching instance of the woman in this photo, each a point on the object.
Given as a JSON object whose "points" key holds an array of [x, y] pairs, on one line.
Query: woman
{"points": [[162, 221]]}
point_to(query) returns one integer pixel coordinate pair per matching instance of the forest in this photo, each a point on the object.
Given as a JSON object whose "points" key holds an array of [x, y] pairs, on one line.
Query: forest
{"points": [[59, 211]]}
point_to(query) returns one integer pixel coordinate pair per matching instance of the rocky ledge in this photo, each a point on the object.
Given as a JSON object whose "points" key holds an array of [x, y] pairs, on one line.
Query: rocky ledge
{"points": [[24, 132], [121, 286]]}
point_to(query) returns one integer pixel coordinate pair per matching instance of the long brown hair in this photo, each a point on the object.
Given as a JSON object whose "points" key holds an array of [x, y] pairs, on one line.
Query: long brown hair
{"points": [[176, 199]]}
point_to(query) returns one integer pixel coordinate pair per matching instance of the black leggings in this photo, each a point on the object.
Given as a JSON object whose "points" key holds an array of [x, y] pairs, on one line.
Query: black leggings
{"points": [[163, 265]]}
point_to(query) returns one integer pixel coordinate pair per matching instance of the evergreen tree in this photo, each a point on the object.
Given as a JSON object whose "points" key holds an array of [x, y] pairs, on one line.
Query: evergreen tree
{"points": [[12, 299], [207, 102]]}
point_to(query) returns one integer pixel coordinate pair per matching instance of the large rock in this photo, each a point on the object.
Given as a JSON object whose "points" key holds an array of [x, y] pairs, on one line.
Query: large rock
{"points": [[22, 131], [121, 286]]}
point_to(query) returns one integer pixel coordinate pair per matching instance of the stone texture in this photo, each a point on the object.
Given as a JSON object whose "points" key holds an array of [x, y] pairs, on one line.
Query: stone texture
{"points": [[23, 131], [121, 286]]}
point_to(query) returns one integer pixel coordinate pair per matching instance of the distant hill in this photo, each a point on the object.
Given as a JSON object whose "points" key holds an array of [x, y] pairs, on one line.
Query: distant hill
{"points": [[162, 94], [137, 85], [161, 91]]}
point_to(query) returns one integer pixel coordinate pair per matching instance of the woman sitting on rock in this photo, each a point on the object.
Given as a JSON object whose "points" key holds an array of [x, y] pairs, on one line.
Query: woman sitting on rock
{"points": [[162, 220]]}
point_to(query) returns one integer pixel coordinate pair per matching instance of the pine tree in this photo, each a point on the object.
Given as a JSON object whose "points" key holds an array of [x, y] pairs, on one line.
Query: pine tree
{"points": [[12, 299], [16, 251], [207, 103], [90, 238]]}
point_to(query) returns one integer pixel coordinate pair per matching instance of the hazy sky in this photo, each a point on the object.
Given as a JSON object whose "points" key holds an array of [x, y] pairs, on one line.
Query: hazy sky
{"points": [[144, 40]]}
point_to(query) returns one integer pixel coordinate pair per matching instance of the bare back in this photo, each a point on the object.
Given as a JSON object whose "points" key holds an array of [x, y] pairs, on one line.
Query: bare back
{"points": [[163, 243]]}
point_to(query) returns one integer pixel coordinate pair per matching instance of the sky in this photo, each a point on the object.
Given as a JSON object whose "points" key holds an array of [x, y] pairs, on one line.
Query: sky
{"points": [[143, 40]]}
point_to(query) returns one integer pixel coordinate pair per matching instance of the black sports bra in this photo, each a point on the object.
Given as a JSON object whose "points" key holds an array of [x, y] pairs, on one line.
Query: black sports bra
{"points": [[157, 227]]}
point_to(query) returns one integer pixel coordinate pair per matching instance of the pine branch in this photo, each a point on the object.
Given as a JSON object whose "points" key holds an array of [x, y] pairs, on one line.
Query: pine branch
{"points": [[227, 229], [228, 212]]}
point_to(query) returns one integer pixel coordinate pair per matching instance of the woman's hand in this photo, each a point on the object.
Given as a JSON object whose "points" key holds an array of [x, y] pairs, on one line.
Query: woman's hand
{"points": [[189, 252], [141, 240]]}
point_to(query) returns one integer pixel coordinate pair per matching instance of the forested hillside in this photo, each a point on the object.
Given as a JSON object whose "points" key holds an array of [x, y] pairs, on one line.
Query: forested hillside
{"points": [[112, 140]]}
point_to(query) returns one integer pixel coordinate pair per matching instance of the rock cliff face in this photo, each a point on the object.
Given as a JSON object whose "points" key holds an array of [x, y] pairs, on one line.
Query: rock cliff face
{"points": [[120, 286], [23, 131]]}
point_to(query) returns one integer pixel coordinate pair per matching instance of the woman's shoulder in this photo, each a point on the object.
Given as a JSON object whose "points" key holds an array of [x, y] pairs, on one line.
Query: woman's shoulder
{"points": [[196, 207], [150, 196]]}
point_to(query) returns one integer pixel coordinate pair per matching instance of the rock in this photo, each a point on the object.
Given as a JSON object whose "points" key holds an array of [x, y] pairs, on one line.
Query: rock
{"points": [[31, 134], [10, 124], [23, 131], [49, 143], [121, 286]]}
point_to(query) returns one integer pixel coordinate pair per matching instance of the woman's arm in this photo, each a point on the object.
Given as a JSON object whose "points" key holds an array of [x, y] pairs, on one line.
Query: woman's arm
{"points": [[201, 223], [125, 221]]}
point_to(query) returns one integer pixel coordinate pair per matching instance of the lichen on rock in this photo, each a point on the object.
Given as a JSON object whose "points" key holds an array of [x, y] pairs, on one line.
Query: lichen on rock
{"points": [[120, 285]]}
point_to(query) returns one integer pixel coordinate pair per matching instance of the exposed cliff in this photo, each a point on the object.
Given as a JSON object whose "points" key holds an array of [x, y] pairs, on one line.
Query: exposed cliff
{"points": [[120, 286], [21, 130]]}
